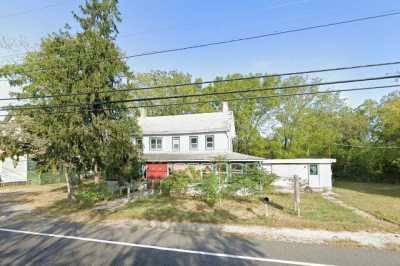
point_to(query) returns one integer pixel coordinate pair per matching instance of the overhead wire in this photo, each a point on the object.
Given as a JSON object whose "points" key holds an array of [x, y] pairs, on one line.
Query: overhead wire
{"points": [[252, 37], [209, 81]]}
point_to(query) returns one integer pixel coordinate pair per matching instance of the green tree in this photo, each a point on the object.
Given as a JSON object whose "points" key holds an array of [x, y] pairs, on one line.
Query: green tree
{"points": [[303, 125], [163, 78], [87, 128]]}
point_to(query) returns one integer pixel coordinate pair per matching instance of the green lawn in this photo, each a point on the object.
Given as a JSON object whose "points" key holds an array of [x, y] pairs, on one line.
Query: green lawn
{"points": [[381, 200], [316, 212]]}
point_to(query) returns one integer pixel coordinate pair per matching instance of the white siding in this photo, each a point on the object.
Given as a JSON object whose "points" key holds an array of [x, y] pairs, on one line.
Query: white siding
{"points": [[222, 143], [286, 171], [9, 172]]}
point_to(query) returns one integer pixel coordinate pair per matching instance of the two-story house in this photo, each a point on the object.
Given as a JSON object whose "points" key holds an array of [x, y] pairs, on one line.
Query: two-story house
{"points": [[200, 140]]}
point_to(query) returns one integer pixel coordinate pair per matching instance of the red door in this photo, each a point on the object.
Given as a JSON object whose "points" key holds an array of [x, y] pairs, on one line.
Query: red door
{"points": [[156, 170]]}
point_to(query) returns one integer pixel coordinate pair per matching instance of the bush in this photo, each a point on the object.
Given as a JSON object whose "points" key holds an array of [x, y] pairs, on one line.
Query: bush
{"points": [[209, 189], [176, 183], [93, 193], [254, 181]]}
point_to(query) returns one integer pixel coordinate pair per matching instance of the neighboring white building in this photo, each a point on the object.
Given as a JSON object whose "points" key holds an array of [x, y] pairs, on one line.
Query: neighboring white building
{"points": [[13, 171], [314, 173]]}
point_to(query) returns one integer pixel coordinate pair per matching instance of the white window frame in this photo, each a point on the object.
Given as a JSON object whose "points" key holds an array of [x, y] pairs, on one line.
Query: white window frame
{"points": [[190, 143], [157, 148], [213, 142], [173, 144]]}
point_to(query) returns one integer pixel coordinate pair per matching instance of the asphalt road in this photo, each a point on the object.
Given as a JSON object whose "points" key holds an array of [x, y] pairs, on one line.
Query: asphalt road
{"points": [[63, 243]]}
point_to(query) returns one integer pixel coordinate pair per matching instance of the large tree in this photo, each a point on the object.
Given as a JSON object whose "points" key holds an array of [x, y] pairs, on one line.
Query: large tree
{"points": [[83, 128]]}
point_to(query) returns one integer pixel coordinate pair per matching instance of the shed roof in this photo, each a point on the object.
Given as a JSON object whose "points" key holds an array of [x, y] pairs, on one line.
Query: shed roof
{"points": [[299, 161], [188, 123], [200, 157]]}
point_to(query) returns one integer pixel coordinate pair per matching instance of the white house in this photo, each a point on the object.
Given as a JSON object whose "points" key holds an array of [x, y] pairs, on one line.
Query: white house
{"points": [[313, 173], [199, 140], [174, 142]]}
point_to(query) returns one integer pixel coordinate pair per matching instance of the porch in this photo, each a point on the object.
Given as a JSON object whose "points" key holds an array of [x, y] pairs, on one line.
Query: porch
{"points": [[160, 165]]}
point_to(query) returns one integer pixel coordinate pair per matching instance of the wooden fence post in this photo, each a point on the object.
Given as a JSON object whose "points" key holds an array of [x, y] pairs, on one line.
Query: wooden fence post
{"points": [[296, 194]]}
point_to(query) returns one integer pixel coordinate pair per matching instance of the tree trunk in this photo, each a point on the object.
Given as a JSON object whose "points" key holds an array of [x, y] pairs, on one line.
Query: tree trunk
{"points": [[96, 174], [70, 189]]}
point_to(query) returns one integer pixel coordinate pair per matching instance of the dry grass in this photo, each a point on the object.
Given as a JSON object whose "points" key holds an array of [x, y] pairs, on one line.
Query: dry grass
{"points": [[317, 213], [34, 195], [393, 247], [380, 200], [346, 243]]}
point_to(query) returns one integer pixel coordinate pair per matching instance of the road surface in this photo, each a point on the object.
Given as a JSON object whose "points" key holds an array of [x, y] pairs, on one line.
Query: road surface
{"points": [[39, 241], [29, 239]]}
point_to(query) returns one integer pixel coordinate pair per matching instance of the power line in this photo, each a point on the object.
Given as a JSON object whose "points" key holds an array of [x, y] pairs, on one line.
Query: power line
{"points": [[24, 107], [210, 81], [253, 37], [32, 10], [367, 146], [236, 99], [263, 35]]}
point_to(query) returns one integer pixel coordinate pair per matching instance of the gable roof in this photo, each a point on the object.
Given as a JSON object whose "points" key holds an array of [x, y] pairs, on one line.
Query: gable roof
{"points": [[188, 123]]}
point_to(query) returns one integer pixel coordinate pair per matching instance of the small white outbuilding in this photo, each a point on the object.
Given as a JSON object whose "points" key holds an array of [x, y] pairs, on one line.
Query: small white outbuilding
{"points": [[314, 173], [14, 171]]}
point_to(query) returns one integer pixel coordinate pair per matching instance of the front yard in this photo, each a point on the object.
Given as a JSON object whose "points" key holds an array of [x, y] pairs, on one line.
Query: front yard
{"points": [[316, 212], [380, 200]]}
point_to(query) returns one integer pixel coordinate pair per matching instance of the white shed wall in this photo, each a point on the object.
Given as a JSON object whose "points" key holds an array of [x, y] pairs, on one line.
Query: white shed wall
{"points": [[9, 172], [286, 171]]}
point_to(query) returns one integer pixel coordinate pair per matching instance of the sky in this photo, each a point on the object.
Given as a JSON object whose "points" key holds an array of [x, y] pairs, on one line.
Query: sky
{"points": [[162, 24]]}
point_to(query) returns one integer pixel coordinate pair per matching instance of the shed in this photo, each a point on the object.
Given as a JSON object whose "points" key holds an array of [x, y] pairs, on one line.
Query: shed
{"points": [[14, 171], [314, 173]]}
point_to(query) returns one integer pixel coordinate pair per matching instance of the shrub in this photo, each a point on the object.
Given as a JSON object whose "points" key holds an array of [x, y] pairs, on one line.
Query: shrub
{"points": [[90, 194], [177, 183], [209, 189], [254, 181]]}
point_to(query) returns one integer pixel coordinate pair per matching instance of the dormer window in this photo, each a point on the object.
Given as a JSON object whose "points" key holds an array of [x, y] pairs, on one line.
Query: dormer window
{"points": [[155, 143], [209, 142], [194, 142]]}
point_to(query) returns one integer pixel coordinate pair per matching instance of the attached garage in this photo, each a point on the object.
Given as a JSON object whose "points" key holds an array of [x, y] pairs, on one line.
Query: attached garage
{"points": [[314, 173]]}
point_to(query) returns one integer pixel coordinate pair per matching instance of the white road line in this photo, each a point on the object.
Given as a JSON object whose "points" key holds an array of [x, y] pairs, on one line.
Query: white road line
{"points": [[223, 255]]}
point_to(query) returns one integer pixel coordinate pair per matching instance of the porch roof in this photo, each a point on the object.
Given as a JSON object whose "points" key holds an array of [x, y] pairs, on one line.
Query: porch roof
{"points": [[200, 157]]}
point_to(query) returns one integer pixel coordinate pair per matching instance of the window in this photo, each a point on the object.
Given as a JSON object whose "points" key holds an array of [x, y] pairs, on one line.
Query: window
{"points": [[237, 169], [176, 143], [194, 142], [155, 143], [210, 142], [314, 169], [139, 143]]}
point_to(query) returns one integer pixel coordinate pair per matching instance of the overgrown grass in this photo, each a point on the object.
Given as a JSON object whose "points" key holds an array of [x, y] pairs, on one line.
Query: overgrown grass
{"points": [[314, 207], [381, 200], [316, 212]]}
